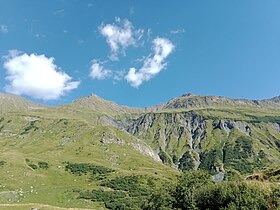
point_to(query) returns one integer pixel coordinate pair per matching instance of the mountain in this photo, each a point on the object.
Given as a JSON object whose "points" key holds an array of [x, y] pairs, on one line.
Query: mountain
{"points": [[93, 149], [9, 102], [196, 101], [213, 133]]}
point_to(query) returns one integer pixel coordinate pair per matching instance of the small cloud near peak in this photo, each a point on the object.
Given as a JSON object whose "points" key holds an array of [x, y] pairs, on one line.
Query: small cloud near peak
{"points": [[97, 71]]}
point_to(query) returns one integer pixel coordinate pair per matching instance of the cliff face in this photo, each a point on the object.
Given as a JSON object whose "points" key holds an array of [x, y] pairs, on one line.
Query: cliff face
{"points": [[189, 140]]}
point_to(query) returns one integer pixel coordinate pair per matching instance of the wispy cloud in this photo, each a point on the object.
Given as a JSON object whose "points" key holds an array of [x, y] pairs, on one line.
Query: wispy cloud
{"points": [[4, 29], [119, 75], [153, 64], [178, 31], [59, 12], [131, 11], [38, 35], [36, 76], [120, 35], [97, 71]]}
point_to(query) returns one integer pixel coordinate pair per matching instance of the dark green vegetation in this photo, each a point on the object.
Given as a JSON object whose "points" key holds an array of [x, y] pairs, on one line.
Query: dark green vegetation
{"points": [[98, 155], [195, 190], [85, 168], [127, 192]]}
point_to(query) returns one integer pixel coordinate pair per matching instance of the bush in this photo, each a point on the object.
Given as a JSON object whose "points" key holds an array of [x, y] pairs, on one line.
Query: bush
{"points": [[43, 165], [100, 195], [124, 204], [232, 195], [2, 162], [133, 184], [186, 162], [195, 190], [33, 166], [86, 168]]}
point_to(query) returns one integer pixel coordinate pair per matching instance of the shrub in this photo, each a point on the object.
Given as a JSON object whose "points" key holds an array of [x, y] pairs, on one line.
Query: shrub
{"points": [[132, 184], [195, 190], [100, 195], [86, 168], [232, 195], [43, 165], [33, 166], [2, 162]]}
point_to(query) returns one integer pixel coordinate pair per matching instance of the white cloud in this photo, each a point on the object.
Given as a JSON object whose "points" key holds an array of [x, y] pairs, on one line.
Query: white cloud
{"points": [[153, 64], [36, 76], [4, 29], [120, 36], [178, 31], [97, 71]]}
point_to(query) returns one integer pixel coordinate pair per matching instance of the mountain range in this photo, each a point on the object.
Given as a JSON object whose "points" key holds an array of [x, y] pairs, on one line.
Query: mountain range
{"points": [[91, 143]]}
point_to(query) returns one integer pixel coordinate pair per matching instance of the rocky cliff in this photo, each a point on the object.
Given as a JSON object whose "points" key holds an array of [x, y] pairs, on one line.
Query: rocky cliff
{"points": [[190, 140]]}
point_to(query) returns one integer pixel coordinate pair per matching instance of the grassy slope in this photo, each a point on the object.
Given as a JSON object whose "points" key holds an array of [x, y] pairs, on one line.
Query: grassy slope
{"points": [[54, 137], [73, 134]]}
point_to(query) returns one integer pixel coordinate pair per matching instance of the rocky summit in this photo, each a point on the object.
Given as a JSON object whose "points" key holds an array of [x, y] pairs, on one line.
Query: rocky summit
{"points": [[90, 151]]}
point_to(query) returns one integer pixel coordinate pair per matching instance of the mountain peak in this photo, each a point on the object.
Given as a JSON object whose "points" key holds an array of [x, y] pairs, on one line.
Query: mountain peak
{"points": [[95, 103], [11, 102], [187, 95]]}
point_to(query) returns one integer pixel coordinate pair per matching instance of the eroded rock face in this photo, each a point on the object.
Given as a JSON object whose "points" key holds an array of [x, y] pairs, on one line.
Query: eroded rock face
{"points": [[229, 125], [190, 141]]}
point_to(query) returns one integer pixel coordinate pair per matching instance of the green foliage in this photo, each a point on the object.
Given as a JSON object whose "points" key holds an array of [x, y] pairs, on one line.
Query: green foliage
{"points": [[127, 203], [161, 199], [2, 163], [232, 195], [166, 159], [186, 186], [195, 191], [211, 160], [128, 192], [272, 173], [135, 185], [30, 127], [33, 166], [112, 199], [86, 168], [186, 162], [237, 155], [43, 165], [100, 195]]}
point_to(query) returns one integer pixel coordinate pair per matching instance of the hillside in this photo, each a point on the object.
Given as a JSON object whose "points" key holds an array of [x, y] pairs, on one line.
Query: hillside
{"points": [[9, 102], [96, 154]]}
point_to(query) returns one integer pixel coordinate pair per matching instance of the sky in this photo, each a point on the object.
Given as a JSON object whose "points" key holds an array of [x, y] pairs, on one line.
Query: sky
{"points": [[139, 53]]}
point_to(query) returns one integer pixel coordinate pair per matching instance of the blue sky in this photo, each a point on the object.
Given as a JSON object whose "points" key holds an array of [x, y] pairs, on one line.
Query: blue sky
{"points": [[139, 53]]}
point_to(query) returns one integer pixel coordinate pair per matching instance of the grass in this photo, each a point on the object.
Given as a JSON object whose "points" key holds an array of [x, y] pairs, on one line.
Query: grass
{"points": [[56, 140], [28, 206]]}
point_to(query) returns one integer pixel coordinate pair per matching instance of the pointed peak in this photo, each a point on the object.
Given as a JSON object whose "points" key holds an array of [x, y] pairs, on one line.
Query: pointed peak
{"points": [[187, 95]]}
